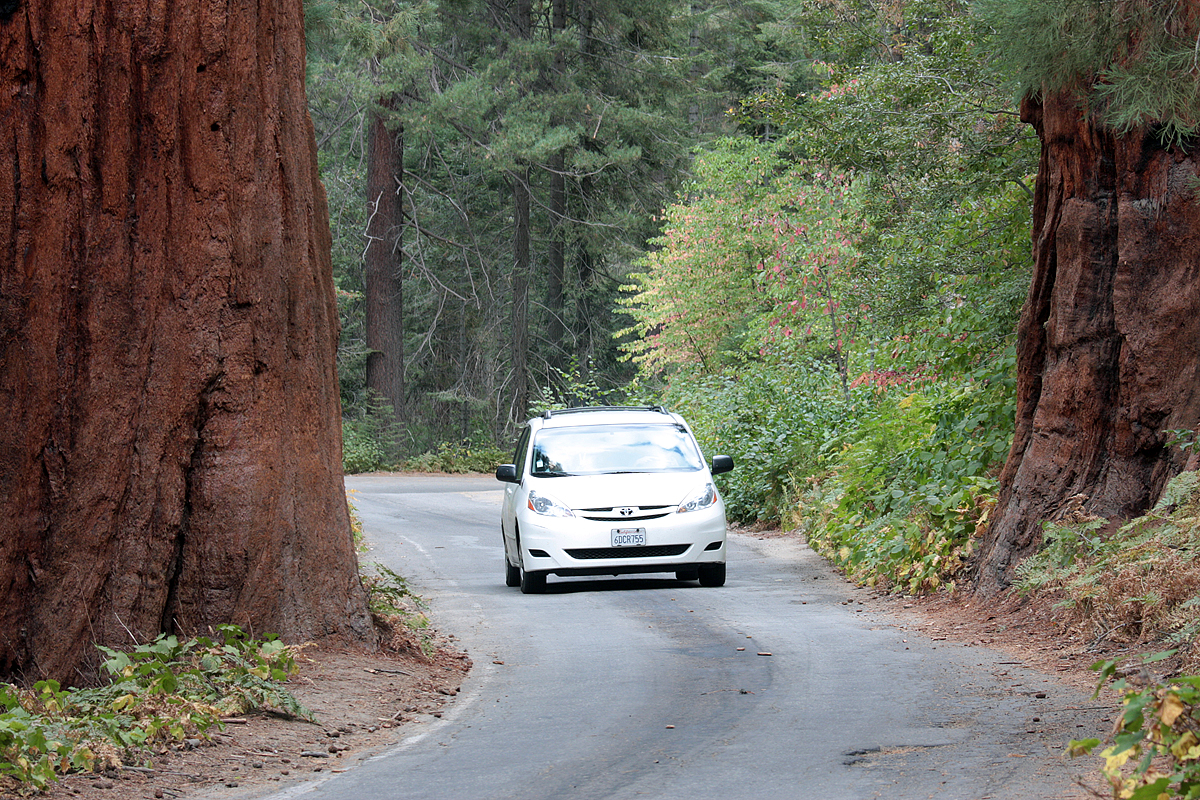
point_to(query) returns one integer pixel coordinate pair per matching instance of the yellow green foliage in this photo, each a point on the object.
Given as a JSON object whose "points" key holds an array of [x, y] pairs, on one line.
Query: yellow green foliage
{"points": [[163, 691], [1155, 747]]}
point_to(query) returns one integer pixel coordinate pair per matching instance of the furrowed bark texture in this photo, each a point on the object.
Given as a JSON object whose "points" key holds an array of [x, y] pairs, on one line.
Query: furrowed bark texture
{"points": [[170, 436], [1109, 335]]}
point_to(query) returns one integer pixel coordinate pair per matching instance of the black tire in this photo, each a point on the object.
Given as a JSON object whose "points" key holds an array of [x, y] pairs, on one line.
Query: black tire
{"points": [[512, 575], [687, 574], [712, 575], [533, 582]]}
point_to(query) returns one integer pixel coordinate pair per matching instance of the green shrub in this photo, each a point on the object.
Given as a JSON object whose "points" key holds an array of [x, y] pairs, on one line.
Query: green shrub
{"points": [[234, 673], [773, 419], [360, 452], [162, 691], [907, 485], [458, 458], [1155, 750], [371, 439]]}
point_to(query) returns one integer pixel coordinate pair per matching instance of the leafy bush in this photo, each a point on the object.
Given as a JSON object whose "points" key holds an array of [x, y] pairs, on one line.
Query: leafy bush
{"points": [[892, 512], [907, 486], [1155, 750], [458, 458], [234, 674], [371, 440], [162, 691], [37, 746], [890, 477], [773, 419], [360, 451], [391, 598]]}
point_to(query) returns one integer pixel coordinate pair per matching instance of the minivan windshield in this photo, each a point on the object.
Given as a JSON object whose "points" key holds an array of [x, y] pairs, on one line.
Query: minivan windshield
{"points": [[609, 449]]}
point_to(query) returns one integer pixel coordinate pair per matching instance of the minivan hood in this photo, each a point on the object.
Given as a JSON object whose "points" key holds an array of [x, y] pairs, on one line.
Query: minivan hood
{"points": [[640, 489]]}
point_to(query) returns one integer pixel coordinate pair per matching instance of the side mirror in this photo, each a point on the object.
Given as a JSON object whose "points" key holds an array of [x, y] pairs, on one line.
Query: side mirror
{"points": [[508, 473], [722, 464]]}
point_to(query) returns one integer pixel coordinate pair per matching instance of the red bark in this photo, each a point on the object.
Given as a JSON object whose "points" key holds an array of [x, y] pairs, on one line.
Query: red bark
{"points": [[1110, 333], [169, 412]]}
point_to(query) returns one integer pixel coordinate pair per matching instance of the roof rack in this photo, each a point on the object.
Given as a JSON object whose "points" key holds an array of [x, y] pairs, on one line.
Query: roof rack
{"points": [[548, 413]]}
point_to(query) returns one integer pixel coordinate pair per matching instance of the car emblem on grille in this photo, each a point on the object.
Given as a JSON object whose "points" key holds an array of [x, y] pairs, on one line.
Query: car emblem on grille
{"points": [[626, 512]]}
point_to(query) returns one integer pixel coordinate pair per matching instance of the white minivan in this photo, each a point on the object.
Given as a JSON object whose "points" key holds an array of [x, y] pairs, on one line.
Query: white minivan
{"points": [[608, 491]]}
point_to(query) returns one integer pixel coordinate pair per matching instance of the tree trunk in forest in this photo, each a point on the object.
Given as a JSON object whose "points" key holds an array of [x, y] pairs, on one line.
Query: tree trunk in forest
{"points": [[170, 425], [556, 328], [557, 255], [1109, 350], [585, 279], [519, 319], [695, 71], [384, 277]]}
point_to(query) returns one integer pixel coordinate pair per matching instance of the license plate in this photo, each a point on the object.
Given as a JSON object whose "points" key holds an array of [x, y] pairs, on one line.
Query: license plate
{"points": [[628, 537]]}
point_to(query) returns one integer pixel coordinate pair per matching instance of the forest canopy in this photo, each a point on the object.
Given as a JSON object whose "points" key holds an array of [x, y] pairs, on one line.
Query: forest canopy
{"points": [[803, 224]]}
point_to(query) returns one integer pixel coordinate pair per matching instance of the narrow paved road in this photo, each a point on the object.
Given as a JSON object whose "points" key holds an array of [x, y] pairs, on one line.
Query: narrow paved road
{"points": [[777, 685]]}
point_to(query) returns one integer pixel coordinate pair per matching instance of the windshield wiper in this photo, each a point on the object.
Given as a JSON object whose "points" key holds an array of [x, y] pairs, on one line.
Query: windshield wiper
{"points": [[553, 475]]}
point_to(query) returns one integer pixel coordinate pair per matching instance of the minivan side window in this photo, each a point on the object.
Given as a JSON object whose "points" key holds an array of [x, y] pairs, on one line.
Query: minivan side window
{"points": [[522, 449]]}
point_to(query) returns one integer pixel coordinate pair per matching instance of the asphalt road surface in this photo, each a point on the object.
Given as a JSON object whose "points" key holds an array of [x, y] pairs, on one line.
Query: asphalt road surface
{"points": [[777, 685]]}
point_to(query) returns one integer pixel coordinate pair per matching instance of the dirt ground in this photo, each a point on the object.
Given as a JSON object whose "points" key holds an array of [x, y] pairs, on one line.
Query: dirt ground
{"points": [[367, 702]]}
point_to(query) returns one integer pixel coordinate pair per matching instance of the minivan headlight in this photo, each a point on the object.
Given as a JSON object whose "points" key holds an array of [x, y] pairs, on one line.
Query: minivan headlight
{"points": [[547, 506], [702, 498]]}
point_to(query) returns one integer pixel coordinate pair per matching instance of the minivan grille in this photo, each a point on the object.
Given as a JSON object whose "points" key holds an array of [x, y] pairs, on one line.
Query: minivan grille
{"points": [[656, 551], [614, 514]]}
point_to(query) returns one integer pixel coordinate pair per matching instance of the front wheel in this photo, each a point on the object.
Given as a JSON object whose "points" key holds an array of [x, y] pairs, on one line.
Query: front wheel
{"points": [[533, 582], [512, 575], [712, 575]]}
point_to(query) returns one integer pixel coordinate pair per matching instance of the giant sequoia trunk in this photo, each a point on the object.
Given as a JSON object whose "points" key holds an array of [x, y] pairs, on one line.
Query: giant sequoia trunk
{"points": [[169, 411], [1109, 350]]}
